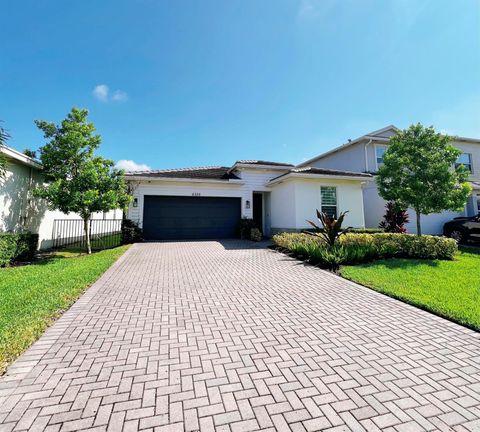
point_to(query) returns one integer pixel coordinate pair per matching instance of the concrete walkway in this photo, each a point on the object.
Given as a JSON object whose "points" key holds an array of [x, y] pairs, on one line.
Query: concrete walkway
{"points": [[222, 336]]}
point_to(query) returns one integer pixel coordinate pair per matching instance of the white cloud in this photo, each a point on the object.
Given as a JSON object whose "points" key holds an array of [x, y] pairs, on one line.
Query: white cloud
{"points": [[102, 93], [315, 8], [119, 96], [130, 165]]}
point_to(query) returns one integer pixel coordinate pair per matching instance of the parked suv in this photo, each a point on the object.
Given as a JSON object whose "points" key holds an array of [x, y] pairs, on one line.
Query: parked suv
{"points": [[463, 228]]}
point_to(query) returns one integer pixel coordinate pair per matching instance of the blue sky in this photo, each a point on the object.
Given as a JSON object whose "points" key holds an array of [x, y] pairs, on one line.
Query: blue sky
{"points": [[193, 83]]}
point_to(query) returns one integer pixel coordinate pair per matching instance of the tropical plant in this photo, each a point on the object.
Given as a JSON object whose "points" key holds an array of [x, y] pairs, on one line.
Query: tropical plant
{"points": [[418, 172], [394, 219], [331, 228], [78, 180], [30, 153]]}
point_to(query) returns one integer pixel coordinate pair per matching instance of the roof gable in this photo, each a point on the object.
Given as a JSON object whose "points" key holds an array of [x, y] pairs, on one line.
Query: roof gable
{"points": [[385, 132], [380, 134]]}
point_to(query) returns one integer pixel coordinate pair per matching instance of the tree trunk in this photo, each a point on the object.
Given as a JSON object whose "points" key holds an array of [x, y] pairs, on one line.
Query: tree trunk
{"points": [[86, 228], [419, 228]]}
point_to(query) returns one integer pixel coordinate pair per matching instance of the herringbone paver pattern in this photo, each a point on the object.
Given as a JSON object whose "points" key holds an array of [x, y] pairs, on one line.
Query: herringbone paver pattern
{"points": [[220, 336]]}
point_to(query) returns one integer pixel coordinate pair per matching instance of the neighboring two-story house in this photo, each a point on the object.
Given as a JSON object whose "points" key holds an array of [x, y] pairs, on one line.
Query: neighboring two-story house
{"points": [[365, 154]]}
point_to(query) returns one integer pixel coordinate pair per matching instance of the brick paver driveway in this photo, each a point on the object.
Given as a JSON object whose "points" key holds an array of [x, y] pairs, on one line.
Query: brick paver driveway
{"points": [[226, 337]]}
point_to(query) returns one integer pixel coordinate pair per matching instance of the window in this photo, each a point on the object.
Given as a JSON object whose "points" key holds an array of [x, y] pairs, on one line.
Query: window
{"points": [[329, 200], [464, 159], [379, 152]]}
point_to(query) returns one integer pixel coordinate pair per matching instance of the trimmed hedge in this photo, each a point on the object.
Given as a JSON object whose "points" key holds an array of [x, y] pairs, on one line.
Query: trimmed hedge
{"points": [[354, 248], [354, 230], [405, 245], [17, 247], [366, 230]]}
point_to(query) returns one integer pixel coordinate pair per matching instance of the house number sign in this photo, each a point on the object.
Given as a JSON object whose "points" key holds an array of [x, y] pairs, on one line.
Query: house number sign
{"points": [[195, 193]]}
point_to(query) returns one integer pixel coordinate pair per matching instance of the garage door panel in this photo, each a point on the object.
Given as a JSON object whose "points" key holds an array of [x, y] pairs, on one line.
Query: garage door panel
{"points": [[176, 217]]}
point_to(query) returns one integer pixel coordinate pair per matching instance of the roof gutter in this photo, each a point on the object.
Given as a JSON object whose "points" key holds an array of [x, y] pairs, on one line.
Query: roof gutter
{"points": [[317, 177], [20, 157]]}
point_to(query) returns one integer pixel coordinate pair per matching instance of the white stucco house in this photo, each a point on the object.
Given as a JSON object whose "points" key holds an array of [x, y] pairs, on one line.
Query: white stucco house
{"points": [[365, 154], [208, 202], [20, 210]]}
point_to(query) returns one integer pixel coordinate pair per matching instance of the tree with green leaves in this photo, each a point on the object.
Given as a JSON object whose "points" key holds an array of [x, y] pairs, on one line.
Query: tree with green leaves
{"points": [[76, 179], [419, 172], [4, 136]]}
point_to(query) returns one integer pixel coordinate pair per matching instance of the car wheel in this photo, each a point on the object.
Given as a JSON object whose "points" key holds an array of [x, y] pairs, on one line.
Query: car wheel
{"points": [[457, 235]]}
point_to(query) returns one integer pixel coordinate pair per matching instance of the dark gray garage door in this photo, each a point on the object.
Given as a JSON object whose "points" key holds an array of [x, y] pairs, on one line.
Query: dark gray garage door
{"points": [[179, 217]]}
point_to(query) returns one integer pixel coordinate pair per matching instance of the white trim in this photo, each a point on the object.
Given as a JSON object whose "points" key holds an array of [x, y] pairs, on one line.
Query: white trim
{"points": [[317, 177], [365, 148], [232, 182], [20, 157]]}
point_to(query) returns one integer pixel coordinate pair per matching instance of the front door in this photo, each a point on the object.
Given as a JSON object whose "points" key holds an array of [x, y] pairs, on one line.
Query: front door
{"points": [[258, 210]]}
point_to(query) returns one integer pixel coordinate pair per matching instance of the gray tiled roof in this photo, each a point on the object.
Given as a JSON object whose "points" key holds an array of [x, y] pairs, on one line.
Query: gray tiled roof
{"points": [[262, 162], [324, 171], [210, 172]]}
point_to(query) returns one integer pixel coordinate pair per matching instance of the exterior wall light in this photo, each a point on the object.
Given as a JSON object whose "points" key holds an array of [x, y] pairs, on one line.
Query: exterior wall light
{"points": [[247, 204], [135, 202]]}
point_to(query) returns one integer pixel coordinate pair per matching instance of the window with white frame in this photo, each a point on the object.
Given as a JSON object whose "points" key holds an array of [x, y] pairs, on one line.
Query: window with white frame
{"points": [[464, 159], [328, 195], [379, 152]]}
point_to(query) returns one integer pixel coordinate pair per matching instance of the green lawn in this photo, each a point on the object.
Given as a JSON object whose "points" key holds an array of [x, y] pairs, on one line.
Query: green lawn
{"points": [[32, 296], [450, 289]]}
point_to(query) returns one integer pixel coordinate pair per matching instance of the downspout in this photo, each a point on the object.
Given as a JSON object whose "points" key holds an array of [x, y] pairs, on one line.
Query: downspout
{"points": [[366, 156], [27, 199], [364, 184]]}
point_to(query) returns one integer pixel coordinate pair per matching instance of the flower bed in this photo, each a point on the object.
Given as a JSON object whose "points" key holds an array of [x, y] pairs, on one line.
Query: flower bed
{"points": [[356, 248]]}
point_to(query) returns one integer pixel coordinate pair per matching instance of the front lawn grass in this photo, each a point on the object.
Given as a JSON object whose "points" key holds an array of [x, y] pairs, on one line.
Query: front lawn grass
{"points": [[450, 289], [32, 296]]}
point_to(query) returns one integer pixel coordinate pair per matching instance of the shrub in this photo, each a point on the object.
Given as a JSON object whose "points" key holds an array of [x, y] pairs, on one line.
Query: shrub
{"points": [[255, 234], [366, 230], [329, 257], [287, 240], [394, 219], [405, 245], [131, 232], [17, 247], [245, 227]]}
